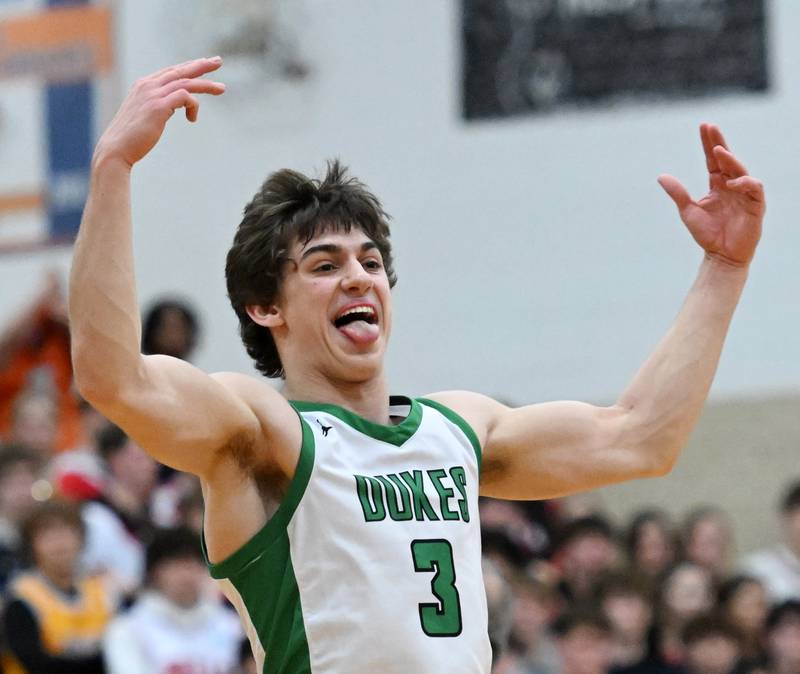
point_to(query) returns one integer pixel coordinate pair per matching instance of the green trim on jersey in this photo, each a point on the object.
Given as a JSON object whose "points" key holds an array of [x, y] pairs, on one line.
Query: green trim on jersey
{"points": [[262, 574], [460, 422], [395, 434]]}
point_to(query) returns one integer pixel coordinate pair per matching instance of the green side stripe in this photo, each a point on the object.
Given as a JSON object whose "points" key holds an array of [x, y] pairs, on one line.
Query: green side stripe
{"points": [[394, 434], [272, 599], [458, 421], [263, 575], [277, 524]]}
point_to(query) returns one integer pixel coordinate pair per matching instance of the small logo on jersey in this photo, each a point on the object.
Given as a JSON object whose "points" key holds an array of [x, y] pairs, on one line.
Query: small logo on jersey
{"points": [[325, 429]]}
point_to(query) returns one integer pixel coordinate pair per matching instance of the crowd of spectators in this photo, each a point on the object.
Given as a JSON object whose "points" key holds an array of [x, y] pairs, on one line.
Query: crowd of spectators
{"points": [[568, 593], [101, 565]]}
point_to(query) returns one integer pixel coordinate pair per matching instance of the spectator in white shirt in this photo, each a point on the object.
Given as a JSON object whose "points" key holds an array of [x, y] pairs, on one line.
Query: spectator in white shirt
{"points": [[118, 521], [778, 567], [175, 625]]}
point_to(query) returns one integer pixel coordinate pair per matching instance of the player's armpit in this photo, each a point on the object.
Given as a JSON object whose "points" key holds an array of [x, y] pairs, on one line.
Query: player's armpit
{"points": [[185, 418], [557, 448]]}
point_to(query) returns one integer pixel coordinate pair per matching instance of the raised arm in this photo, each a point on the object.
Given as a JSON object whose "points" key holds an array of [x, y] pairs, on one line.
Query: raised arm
{"points": [[178, 413], [552, 449]]}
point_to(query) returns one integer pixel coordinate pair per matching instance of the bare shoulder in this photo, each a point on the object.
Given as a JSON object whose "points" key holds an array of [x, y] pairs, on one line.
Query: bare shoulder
{"points": [[280, 433], [479, 411], [255, 392]]}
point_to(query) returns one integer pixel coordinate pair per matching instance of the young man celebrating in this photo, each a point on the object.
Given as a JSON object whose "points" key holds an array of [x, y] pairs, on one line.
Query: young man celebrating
{"points": [[342, 523]]}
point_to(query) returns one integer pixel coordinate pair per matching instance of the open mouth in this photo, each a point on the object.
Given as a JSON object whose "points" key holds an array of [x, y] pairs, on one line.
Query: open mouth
{"points": [[363, 313], [359, 324]]}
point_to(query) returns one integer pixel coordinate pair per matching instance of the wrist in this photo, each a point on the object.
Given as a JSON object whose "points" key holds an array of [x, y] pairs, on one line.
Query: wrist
{"points": [[107, 159], [726, 264], [723, 270]]}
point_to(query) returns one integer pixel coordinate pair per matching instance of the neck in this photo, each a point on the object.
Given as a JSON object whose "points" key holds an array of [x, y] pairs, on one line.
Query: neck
{"points": [[368, 399], [63, 580]]}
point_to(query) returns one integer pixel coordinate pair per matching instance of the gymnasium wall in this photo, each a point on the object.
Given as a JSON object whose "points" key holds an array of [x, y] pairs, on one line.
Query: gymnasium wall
{"points": [[537, 257], [740, 458]]}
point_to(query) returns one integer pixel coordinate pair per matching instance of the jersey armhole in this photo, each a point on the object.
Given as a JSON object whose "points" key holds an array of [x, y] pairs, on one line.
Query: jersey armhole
{"points": [[277, 524], [459, 421]]}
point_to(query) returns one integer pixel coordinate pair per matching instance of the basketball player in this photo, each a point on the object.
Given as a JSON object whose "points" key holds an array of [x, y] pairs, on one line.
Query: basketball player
{"points": [[344, 525]]}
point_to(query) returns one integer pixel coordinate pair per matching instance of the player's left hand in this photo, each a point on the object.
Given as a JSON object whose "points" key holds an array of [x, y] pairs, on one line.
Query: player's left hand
{"points": [[726, 222]]}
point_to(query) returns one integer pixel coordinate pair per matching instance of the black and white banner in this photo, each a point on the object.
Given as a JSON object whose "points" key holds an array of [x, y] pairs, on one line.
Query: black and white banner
{"points": [[523, 56]]}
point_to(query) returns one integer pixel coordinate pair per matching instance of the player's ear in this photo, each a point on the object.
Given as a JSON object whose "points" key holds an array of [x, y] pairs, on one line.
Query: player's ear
{"points": [[269, 315]]}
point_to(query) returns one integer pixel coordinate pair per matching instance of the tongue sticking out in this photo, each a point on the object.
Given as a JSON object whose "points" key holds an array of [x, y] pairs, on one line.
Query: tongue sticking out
{"points": [[360, 332]]}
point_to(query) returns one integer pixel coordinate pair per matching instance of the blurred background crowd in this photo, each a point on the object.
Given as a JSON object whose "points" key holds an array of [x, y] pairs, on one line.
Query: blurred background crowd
{"points": [[101, 563]]}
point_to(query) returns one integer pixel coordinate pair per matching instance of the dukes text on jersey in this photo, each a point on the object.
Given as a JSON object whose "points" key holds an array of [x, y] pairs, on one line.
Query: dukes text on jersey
{"points": [[402, 496]]}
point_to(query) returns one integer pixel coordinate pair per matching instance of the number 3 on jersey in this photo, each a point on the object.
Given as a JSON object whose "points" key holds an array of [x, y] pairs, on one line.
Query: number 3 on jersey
{"points": [[442, 618]]}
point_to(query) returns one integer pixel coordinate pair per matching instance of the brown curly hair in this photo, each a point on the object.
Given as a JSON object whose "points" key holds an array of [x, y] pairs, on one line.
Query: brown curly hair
{"points": [[43, 516], [292, 207]]}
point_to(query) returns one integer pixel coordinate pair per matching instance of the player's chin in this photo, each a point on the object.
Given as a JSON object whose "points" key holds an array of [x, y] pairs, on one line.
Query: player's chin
{"points": [[362, 364]]}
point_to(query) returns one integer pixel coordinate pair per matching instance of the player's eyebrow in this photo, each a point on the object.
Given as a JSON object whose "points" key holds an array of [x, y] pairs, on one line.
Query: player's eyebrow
{"points": [[334, 249], [321, 248]]}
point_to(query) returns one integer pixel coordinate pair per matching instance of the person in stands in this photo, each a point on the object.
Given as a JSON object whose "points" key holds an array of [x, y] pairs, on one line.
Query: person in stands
{"points": [[175, 625], [54, 617]]}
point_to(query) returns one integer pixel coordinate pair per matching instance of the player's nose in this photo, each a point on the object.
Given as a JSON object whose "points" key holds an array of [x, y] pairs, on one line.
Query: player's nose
{"points": [[356, 279]]}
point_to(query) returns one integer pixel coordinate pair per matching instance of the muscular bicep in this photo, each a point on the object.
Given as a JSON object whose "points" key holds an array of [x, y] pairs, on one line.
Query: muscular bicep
{"points": [[179, 414], [553, 449]]}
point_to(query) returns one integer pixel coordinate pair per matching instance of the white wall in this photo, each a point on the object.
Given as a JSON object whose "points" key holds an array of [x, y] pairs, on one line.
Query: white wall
{"points": [[538, 258], [742, 458]]}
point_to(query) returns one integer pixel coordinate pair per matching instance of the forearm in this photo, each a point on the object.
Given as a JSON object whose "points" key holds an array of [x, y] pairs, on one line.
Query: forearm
{"points": [[665, 398], [103, 310]]}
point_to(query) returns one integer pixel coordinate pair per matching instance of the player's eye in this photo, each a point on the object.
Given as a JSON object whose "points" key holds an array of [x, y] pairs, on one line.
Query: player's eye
{"points": [[325, 267], [372, 265]]}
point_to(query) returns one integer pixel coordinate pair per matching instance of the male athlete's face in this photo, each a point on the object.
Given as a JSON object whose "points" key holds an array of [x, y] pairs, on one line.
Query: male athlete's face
{"points": [[333, 314]]}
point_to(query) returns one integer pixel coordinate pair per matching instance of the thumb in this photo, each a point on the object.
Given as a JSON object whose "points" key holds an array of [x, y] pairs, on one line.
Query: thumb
{"points": [[677, 192]]}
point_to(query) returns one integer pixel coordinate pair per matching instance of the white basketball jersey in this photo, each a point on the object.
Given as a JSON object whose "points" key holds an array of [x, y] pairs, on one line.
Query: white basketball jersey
{"points": [[372, 563]]}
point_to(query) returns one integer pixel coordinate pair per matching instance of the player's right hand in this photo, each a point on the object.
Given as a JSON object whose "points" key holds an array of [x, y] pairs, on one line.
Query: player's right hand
{"points": [[152, 100]]}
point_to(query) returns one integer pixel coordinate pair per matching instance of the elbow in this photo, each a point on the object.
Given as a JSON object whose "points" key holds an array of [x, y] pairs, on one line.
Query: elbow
{"points": [[655, 448], [94, 389], [662, 468], [90, 381], [84, 376], [659, 461]]}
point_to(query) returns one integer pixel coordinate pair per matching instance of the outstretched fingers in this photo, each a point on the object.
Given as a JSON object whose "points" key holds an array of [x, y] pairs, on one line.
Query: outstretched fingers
{"points": [[708, 148], [178, 84], [729, 165], [166, 69], [676, 191], [189, 69], [712, 137], [194, 86], [716, 137]]}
